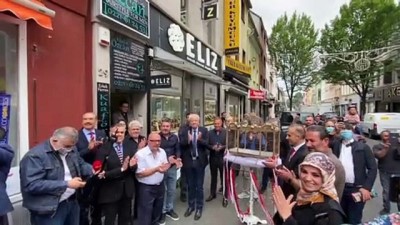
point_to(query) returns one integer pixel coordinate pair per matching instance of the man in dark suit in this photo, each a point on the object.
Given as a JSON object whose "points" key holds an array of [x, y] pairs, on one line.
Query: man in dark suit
{"points": [[117, 187], [194, 153], [216, 145], [360, 172], [182, 179], [89, 141], [296, 137], [285, 167]]}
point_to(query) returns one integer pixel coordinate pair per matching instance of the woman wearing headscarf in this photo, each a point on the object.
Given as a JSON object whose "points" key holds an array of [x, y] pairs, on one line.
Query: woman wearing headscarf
{"points": [[317, 202]]}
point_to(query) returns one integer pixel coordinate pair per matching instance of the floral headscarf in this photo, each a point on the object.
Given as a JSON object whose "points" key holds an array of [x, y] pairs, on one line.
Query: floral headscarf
{"points": [[321, 162]]}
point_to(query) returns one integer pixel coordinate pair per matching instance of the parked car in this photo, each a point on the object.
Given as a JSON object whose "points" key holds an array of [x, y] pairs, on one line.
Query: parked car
{"points": [[374, 123]]}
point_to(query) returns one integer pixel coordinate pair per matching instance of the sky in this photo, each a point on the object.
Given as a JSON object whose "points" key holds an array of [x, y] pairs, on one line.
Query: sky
{"points": [[320, 11]]}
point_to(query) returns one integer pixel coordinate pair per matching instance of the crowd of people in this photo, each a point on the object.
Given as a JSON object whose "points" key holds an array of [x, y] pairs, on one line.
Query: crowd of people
{"points": [[325, 171]]}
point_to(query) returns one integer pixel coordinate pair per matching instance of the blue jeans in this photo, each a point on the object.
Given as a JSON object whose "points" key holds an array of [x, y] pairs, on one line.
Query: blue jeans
{"points": [[353, 210], [195, 181], [170, 189], [66, 214]]}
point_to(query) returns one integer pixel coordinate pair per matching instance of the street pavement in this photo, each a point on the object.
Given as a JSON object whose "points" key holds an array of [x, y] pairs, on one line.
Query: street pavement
{"points": [[215, 214]]}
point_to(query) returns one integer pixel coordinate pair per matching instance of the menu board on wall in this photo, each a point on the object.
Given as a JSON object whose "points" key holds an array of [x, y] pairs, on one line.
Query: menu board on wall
{"points": [[103, 106], [127, 63]]}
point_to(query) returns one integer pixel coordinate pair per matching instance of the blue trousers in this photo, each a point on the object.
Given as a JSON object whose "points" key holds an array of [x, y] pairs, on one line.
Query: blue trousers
{"points": [[150, 203], [353, 210], [195, 181], [66, 214]]}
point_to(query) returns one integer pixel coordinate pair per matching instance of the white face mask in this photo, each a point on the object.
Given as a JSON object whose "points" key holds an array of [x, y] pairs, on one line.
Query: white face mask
{"points": [[65, 151]]}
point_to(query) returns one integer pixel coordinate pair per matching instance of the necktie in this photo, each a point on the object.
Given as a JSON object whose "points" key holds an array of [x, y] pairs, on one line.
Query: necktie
{"points": [[91, 135], [120, 153], [194, 143], [291, 154]]}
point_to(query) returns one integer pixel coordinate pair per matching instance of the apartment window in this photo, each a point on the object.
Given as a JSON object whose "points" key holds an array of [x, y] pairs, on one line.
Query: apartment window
{"points": [[319, 94], [184, 11], [387, 78], [243, 56], [237, 57]]}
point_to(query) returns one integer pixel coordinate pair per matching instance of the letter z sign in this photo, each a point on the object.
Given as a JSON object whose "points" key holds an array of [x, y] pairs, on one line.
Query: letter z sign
{"points": [[210, 11]]}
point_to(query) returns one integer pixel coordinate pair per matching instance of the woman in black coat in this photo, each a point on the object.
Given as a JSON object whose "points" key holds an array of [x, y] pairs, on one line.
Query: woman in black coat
{"points": [[316, 202]]}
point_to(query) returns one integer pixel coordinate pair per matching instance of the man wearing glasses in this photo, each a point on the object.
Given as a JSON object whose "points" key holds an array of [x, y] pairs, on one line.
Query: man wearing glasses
{"points": [[152, 163]]}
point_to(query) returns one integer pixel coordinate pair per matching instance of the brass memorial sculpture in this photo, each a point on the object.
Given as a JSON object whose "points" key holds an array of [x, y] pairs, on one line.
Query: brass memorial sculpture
{"points": [[268, 139]]}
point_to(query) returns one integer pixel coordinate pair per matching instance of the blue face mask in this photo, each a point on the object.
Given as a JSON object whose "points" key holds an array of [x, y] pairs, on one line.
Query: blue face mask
{"points": [[346, 135], [330, 130]]}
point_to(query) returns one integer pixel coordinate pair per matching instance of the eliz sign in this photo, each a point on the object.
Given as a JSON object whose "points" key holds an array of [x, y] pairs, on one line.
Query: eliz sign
{"points": [[160, 81], [195, 51]]}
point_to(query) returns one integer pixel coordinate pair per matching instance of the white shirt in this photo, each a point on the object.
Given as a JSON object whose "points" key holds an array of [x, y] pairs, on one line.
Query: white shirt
{"points": [[67, 177], [346, 158], [146, 160]]}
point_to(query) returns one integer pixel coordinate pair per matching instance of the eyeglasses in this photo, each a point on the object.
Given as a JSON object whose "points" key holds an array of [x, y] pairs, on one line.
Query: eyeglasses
{"points": [[155, 140]]}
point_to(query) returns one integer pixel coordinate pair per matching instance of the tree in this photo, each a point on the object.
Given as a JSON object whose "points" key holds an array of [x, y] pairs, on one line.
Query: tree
{"points": [[297, 100], [362, 25], [292, 45]]}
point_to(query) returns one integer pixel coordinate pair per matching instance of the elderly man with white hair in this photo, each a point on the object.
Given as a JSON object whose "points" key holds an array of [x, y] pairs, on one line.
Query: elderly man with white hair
{"points": [[134, 140], [194, 154]]}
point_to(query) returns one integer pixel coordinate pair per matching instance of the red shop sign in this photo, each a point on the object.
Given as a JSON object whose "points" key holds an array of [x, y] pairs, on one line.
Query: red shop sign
{"points": [[256, 94]]}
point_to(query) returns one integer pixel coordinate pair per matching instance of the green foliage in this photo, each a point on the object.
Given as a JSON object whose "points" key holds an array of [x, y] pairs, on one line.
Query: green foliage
{"points": [[361, 26], [292, 44]]}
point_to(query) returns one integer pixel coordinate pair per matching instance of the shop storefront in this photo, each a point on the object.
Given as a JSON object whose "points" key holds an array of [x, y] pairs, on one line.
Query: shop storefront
{"points": [[374, 101], [237, 75], [194, 66], [121, 66], [166, 102]]}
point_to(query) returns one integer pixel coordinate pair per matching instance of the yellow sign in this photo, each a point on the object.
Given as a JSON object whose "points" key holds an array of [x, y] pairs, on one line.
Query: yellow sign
{"points": [[232, 26], [238, 66]]}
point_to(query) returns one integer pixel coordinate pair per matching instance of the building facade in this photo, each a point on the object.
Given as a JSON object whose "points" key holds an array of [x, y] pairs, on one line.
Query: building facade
{"points": [[46, 71], [385, 96], [195, 68]]}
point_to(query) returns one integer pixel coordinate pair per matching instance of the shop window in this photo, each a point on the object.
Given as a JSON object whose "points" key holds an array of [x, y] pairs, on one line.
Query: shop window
{"points": [[210, 103], [210, 111], [9, 85], [163, 106]]}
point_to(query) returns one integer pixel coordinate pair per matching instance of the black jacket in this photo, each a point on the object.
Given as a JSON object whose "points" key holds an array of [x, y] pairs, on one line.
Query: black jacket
{"points": [[213, 139], [293, 164], [186, 147], [83, 144], [116, 184], [365, 167], [328, 212]]}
